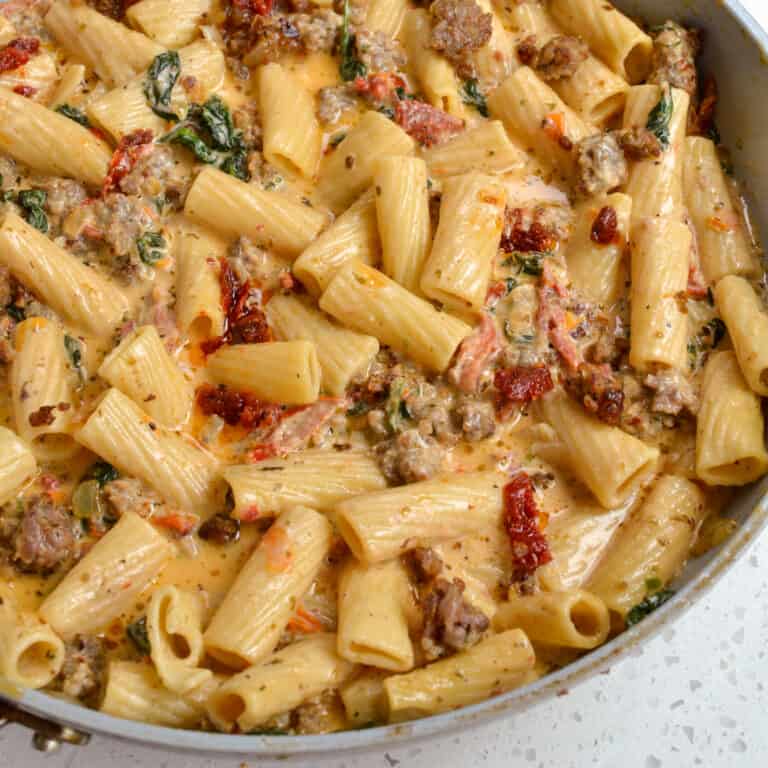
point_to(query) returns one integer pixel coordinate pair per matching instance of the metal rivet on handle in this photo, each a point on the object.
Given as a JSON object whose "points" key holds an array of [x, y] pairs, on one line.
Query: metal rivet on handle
{"points": [[43, 743]]}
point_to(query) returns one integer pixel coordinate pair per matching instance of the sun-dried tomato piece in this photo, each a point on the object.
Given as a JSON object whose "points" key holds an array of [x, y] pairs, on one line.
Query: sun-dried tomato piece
{"points": [[517, 237], [425, 123], [605, 227], [18, 52], [530, 549], [27, 91], [237, 408], [522, 383], [246, 323], [131, 147]]}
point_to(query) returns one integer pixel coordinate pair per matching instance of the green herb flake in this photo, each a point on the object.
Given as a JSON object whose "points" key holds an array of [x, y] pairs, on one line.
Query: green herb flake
{"points": [[73, 113], [647, 606], [32, 201], [103, 473], [395, 408], [350, 67], [653, 584], [17, 313], [74, 351], [151, 247], [359, 408], [529, 263], [713, 332], [336, 139], [472, 95], [510, 283], [137, 633], [158, 87], [660, 117]]}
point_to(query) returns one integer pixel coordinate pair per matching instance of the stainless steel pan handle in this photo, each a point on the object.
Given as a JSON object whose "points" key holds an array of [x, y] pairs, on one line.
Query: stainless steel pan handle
{"points": [[47, 735]]}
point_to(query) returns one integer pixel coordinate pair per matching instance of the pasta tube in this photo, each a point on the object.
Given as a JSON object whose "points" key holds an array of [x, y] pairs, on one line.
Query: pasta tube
{"points": [[374, 602], [747, 323], [433, 72], [597, 269], [199, 311], [17, 464], [49, 142], [730, 448], [493, 666], [611, 463], [402, 210], [652, 543], [276, 371], [114, 52], [171, 23], [235, 208], [109, 579], [661, 251], [485, 148], [723, 245], [31, 654], [279, 683], [42, 390], [615, 38], [466, 242], [384, 524], [656, 183], [354, 235], [341, 353], [538, 118], [365, 299], [126, 109], [134, 691], [178, 469], [349, 168], [141, 368], [315, 478], [72, 289], [573, 619], [386, 16], [292, 138], [364, 699], [174, 628], [248, 624]]}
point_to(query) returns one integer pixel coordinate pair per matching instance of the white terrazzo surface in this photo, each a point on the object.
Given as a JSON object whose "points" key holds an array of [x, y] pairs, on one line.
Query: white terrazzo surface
{"points": [[697, 695]]}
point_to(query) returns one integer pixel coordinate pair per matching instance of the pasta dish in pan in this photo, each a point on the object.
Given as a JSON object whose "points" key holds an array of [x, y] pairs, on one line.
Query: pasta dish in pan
{"points": [[359, 360]]}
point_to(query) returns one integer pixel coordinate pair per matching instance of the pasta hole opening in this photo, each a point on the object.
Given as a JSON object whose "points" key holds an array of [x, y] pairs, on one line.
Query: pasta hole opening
{"points": [[607, 108], [350, 536], [181, 647], [229, 660], [584, 619], [36, 660], [739, 472], [54, 446], [368, 654], [637, 63], [229, 707]]}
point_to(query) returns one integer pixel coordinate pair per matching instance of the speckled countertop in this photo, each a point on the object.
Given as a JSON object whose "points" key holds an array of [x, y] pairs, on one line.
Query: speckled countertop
{"points": [[697, 695]]}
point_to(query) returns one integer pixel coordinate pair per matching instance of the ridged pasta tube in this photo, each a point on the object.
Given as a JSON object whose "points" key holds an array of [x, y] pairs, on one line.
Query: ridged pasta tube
{"points": [[49, 142], [573, 619], [178, 469], [652, 543], [466, 242], [730, 447], [171, 23], [349, 169], [747, 323], [368, 301], [279, 683], [235, 208], [276, 371], [615, 38], [42, 390], [610, 462], [72, 289], [141, 368], [109, 579], [495, 665], [354, 235], [384, 524], [341, 353], [248, 624], [17, 464], [316, 478]]}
